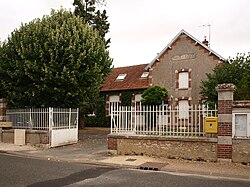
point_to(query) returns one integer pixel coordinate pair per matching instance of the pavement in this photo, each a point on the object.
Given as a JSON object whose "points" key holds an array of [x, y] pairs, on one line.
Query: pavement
{"points": [[92, 149]]}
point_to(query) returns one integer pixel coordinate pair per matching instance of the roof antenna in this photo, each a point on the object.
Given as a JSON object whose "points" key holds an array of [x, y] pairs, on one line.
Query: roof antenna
{"points": [[209, 33]]}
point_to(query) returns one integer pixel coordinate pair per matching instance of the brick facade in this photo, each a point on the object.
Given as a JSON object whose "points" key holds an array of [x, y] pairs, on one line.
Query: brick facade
{"points": [[112, 143], [225, 106]]}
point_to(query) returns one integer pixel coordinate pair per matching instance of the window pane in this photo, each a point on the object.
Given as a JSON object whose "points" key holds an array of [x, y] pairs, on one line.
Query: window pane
{"points": [[183, 109], [144, 75], [240, 124], [121, 77], [183, 80]]}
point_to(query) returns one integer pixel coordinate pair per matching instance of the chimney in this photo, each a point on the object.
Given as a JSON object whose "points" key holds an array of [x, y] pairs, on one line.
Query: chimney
{"points": [[205, 42]]}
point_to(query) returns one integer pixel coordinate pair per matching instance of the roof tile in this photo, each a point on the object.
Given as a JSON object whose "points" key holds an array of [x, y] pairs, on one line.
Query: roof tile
{"points": [[132, 80]]}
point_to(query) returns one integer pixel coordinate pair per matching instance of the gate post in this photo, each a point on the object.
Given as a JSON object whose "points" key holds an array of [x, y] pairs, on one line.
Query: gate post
{"points": [[225, 104], [50, 126]]}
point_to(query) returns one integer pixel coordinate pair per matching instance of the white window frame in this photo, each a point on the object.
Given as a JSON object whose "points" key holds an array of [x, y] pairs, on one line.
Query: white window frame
{"points": [[121, 76], [183, 110], [234, 135], [183, 80], [145, 74]]}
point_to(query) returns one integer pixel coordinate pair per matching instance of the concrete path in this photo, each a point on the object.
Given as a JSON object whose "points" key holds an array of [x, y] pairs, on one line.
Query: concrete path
{"points": [[92, 149]]}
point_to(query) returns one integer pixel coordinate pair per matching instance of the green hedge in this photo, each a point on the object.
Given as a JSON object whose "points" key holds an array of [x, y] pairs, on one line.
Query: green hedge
{"points": [[94, 121]]}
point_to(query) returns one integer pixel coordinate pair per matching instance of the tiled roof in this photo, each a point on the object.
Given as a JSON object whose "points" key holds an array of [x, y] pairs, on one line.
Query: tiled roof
{"points": [[132, 80]]}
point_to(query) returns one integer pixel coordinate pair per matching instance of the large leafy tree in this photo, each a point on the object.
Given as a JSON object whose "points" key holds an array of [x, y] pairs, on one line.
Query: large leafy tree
{"points": [[56, 61], [97, 19], [234, 70], [154, 95]]}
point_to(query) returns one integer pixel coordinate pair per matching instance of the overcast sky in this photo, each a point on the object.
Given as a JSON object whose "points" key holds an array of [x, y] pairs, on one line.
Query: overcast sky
{"points": [[142, 28]]}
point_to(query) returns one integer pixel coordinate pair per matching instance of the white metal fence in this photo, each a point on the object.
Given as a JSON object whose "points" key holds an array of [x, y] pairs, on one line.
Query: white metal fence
{"points": [[61, 123], [160, 120], [43, 118]]}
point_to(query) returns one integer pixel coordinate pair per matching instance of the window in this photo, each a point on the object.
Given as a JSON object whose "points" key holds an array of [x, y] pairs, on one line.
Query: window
{"points": [[183, 109], [144, 75], [183, 80], [114, 103], [138, 99], [121, 76], [241, 127]]}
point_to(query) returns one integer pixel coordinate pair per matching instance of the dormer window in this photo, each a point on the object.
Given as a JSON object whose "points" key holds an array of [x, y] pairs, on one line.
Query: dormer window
{"points": [[144, 75], [121, 77]]}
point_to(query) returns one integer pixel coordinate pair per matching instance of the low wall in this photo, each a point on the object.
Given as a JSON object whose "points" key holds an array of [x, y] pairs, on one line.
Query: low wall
{"points": [[31, 136], [241, 150], [195, 148]]}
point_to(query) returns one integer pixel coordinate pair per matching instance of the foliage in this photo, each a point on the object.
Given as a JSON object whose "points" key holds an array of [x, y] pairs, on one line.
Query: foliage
{"points": [[236, 71], [154, 95], [126, 98], [56, 61], [94, 121], [97, 19], [100, 119]]}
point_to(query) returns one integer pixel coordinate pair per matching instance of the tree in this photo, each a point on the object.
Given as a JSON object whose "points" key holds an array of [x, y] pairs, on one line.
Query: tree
{"points": [[236, 71], [56, 61], [154, 95], [86, 9]]}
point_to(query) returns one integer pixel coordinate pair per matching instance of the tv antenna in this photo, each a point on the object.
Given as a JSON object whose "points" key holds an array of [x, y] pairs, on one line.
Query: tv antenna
{"points": [[209, 32]]}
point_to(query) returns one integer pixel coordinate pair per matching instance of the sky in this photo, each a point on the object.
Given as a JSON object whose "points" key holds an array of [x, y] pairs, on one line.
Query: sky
{"points": [[139, 29]]}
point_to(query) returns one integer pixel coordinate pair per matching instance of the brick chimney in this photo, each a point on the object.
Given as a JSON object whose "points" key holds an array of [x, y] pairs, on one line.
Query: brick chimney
{"points": [[205, 42]]}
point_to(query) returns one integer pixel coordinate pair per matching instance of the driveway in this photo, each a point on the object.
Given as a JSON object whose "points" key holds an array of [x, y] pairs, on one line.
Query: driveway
{"points": [[93, 140]]}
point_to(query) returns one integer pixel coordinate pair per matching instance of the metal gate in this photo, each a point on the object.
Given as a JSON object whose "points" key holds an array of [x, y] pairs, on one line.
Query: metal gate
{"points": [[61, 123], [63, 126]]}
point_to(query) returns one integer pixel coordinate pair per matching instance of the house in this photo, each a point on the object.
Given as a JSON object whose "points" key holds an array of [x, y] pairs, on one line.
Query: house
{"points": [[125, 82], [179, 67]]}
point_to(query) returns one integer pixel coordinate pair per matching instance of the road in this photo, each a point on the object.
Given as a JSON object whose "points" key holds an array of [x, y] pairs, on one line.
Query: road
{"points": [[20, 171]]}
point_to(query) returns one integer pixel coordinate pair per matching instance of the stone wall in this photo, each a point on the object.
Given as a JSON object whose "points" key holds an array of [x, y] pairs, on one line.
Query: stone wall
{"points": [[241, 150], [221, 148], [31, 137], [185, 148]]}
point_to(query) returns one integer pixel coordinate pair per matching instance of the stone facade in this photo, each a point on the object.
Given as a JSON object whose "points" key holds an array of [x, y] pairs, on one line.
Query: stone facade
{"points": [[185, 55], [186, 148], [241, 150], [31, 137]]}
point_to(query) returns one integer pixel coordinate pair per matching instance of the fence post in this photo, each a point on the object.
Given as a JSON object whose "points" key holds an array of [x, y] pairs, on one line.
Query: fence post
{"points": [[77, 117], [69, 117], [50, 118], [225, 103], [30, 119], [111, 118]]}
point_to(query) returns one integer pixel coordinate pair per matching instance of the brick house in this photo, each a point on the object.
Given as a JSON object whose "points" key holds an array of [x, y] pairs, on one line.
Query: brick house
{"points": [[179, 67], [130, 79]]}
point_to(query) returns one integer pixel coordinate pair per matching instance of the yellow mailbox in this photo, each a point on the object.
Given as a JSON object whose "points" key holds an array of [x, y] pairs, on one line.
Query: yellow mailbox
{"points": [[211, 124]]}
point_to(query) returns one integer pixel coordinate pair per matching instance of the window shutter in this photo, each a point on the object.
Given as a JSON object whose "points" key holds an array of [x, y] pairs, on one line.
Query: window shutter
{"points": [[183, 109], [183, 80]]}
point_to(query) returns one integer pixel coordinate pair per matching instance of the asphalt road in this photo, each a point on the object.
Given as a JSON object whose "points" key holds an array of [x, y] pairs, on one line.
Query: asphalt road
{"points": [[20, 171]]}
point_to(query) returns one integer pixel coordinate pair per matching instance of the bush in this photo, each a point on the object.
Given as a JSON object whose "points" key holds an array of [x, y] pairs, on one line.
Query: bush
{"points": [[94, 121]]}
